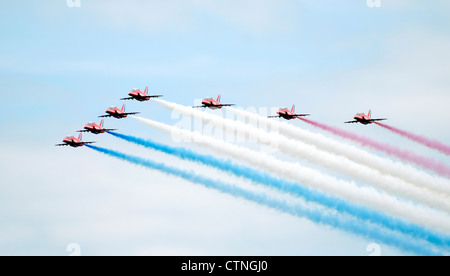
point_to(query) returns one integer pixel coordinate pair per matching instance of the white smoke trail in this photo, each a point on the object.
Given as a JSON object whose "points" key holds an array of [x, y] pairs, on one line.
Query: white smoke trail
{"points": [[384, 165], [312, 154], [323, 217], [313, 179]]}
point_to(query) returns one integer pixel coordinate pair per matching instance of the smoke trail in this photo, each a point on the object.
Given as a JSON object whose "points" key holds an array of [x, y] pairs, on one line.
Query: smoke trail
{"points": [[424, 162], [387, 166], [312, 154], [293, 188], [314, 179], [420, 139], [317, 216]]}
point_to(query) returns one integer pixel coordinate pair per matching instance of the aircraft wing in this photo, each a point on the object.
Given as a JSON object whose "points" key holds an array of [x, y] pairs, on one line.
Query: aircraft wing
{"points": [[199, 106], [60, 145], [84, 130], [275, 116], [129, 98], [374, 120], [301, 115], [131, 113], [223, 105], [105, 116], [87, 143], [152, 96], [109, 129], [350, 122]]}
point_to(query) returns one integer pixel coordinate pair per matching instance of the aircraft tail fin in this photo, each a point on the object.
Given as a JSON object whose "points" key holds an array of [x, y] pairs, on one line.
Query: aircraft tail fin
{"points": [[123, 107], [293, 108], [101, 123], [369, 114], [146, 89], [218, 98], [79, 137]]}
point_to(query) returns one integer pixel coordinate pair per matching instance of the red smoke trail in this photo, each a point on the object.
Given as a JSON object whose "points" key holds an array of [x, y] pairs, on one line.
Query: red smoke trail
{"points": [[422, 161], [420, 139]]}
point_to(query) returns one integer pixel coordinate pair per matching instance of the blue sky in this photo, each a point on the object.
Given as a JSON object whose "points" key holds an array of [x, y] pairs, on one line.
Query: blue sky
{"points": [[61, 67]]}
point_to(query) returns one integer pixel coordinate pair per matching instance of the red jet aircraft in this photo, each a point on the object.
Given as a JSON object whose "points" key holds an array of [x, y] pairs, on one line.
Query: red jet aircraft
{"points": [[73, 142], [287, 114], [213, 104], [137, 94], [364, 119], [115, 112], [94, 128]]}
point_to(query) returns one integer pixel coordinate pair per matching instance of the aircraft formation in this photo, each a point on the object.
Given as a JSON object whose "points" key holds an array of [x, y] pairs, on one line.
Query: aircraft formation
{"points": [[390, 179], [112, 111], [211, 103]]}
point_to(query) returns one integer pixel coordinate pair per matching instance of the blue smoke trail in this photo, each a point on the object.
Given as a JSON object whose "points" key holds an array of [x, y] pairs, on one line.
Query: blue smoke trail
{"points": [[293, 188], [317, 216]]}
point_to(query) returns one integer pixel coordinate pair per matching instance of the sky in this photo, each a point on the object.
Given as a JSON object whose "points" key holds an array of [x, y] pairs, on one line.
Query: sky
{"points": [[62, 66]]}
